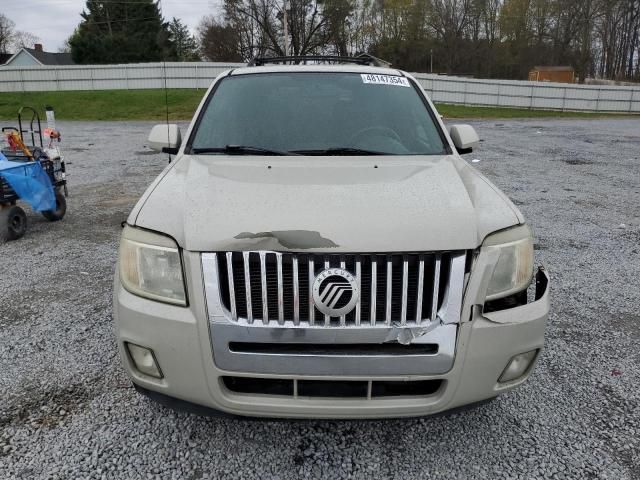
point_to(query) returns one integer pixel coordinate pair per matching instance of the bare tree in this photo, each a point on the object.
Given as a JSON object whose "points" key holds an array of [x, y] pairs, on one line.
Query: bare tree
{"points": [[496, 38], [218, 42], [7, 32], [449, 19], [22, 39]]}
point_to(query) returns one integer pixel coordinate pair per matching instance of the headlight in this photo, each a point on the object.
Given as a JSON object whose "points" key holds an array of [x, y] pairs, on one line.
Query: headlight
{"points": [[150, 266], [514, 267]]}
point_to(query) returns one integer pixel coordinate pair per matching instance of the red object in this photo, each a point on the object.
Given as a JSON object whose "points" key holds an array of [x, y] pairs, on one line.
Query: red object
{"points": [[12, 142]]}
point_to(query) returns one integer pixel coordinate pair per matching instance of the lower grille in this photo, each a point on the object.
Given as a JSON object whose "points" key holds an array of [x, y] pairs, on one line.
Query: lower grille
{"points": [[334, 349], [331, 388], [407, 289]]}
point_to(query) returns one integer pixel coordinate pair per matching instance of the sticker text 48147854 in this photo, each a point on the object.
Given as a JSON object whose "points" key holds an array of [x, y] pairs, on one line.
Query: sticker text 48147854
{"points": [[385, 80]]}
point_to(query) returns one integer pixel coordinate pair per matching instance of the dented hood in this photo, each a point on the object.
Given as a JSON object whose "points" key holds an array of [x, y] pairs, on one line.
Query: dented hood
{"points": [[335, 204]]}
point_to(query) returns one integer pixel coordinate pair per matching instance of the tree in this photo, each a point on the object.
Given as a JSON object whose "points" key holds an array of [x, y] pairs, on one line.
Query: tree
{"points": [[121, 32], [22, 39], [66, 46], [339, 15], [219, 42], [259, 25], [12, 40], [484, 38], [186, 47], [7, 30]]}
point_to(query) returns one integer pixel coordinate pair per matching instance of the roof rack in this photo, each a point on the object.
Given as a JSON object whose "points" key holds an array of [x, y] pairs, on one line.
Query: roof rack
{"points": [[363, 59]]}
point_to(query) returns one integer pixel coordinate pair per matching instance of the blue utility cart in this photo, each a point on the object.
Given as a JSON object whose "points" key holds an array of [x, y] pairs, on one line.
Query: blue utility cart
{"points": [[31, 173]]}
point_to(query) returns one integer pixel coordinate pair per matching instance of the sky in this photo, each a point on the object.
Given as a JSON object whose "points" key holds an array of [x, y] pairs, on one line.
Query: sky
{"points": [[54, 20]]}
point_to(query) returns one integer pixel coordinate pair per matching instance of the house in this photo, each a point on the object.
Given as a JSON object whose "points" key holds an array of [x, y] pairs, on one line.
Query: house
{"points": [[552, 74], [33, 57]]}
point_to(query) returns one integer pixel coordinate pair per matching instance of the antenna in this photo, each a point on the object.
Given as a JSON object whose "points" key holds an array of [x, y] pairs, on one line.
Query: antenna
{"points": [[166, 94], [166, 102]]}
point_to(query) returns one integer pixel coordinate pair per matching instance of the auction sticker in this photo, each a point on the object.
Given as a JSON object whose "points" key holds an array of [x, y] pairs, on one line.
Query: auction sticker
{"points": [[385, 80]]}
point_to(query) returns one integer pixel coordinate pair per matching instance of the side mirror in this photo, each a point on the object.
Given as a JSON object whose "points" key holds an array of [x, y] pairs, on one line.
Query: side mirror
{"points": [[165, 138], [464, 138]]}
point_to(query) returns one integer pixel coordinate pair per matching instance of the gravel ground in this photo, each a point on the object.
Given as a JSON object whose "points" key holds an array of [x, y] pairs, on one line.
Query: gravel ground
{"points": [[67, 409]]}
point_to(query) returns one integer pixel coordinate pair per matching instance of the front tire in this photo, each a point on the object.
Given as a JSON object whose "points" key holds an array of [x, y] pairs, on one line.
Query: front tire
{"points": [[13, 223], [61, 209]]}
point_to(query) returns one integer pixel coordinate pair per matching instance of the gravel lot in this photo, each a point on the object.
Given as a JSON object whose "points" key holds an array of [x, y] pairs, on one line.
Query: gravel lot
{"points": [[67, 409]]}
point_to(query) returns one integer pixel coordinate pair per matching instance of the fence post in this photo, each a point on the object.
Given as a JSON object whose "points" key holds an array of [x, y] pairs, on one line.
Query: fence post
{"points": [[126, 76], [631, 101], [93, 86], [598, 100], [564, 98], [196, 78], [464, 99], [22, 80], [498, 97], [531, 97]]}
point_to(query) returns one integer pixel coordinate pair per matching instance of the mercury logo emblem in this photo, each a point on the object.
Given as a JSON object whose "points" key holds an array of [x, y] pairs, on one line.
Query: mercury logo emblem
{"points": [[335, 292]]}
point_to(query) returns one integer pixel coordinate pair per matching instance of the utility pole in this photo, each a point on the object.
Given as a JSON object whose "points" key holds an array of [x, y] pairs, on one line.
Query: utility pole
{"points": [[286, 29]]}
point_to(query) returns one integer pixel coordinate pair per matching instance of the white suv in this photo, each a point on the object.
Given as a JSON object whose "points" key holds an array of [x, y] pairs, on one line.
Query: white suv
{"points": [[318, 248]]}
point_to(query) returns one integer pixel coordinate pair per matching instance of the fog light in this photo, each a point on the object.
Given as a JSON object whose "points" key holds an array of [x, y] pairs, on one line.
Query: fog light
{"points": [[144, 360], [517, 366]]}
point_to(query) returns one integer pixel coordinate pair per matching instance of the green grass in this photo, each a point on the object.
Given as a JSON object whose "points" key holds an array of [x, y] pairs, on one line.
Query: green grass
{"points": [[105, 104], [460, 111], [150, 105]]}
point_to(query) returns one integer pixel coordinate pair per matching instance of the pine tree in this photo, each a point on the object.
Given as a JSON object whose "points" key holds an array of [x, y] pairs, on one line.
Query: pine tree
{"points": [[186, 47], [121, 32]]}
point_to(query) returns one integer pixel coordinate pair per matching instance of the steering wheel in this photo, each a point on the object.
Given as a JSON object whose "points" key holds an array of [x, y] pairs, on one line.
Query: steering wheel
{"points": [[368, 131]]}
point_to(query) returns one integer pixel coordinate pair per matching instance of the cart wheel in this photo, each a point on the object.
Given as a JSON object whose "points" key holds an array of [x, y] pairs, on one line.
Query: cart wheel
{"points": [[61, 209], [13, 223]]}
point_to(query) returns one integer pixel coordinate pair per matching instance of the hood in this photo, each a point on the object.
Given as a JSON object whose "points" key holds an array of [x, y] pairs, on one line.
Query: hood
{"points": [[335, 204]]}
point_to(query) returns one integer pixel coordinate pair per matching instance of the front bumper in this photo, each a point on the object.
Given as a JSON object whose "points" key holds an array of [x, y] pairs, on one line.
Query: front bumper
{"points": [[181, 341]]}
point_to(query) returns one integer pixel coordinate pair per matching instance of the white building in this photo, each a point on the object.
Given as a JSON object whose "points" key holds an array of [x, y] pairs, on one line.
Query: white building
{"points": [[33, 57]]}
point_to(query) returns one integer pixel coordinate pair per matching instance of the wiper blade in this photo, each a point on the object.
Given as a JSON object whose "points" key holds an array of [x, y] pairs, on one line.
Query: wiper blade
{"points": [[240, 150], [341, 151]]}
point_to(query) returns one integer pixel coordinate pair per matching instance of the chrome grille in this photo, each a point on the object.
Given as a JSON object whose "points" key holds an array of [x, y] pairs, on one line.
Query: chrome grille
{"points": [[406, 289]]}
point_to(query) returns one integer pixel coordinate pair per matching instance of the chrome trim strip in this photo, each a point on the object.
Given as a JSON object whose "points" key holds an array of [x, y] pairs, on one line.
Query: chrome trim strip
{"points": [[280, 289], [296, 292], [327, 265], [436, 289], [359, 304], [312, 307], [452, 304], [232, 290], [343, 265], [374, 287], [313, 364], [247, 286], [211, 284], [420, 289], [405, 287], [389, 290], [263, 283]]}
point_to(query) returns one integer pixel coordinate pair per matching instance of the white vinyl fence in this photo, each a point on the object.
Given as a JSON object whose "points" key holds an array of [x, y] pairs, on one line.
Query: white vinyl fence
{"points": [[442, 89]]}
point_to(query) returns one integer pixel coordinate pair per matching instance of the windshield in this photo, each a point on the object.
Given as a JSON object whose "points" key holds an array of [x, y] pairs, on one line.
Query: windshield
{"points": [[317, 113]]}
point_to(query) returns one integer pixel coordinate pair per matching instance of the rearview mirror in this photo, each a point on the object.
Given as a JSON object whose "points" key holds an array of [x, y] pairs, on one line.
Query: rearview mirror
{"points": [[464, 137], [165, 138]]}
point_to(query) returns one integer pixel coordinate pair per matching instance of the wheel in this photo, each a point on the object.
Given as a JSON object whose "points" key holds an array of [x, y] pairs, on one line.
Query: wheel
{"points": [[61, 209], [13, 223]]}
